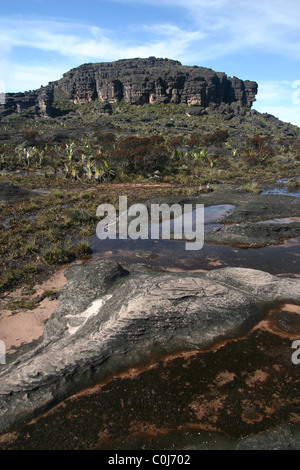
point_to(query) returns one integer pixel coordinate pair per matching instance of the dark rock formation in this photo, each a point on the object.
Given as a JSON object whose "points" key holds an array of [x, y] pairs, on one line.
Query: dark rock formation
{"points": [[136, 81], [11, 193], [253, 234]]}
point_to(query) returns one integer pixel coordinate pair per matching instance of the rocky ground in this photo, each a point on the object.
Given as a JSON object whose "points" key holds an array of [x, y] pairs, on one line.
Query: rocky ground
{"points": [[159, 353], [255, 220], [148, 346], [191, 360]]}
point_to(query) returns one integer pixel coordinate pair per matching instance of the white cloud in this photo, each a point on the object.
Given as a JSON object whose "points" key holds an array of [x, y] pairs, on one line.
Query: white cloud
{"points": [[214, 29], [236, 25], [290, 114], [50, 36], [279, 91], [19, 77], [90, 43], [93, 42], [276, 98]]}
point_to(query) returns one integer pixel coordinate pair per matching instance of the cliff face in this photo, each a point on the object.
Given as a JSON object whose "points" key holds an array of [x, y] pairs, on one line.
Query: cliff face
{"points": [[137, 81]]}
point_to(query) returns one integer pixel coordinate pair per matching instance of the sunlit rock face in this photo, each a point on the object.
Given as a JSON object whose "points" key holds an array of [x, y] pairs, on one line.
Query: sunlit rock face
{"points": [[137, 81]]}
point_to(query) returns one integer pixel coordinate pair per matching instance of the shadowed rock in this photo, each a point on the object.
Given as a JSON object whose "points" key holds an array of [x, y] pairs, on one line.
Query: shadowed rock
{"points": [[11, 193], [251, 234]]}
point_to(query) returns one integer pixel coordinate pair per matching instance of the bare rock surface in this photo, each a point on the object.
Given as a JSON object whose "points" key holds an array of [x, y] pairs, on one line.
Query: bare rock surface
{"points": [[285, 437], [251, 234], [256, 220], [109, 318]]}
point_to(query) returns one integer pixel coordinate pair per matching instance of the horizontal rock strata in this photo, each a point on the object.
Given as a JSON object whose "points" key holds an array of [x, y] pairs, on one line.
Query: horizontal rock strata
{"points": [[136, 81]]}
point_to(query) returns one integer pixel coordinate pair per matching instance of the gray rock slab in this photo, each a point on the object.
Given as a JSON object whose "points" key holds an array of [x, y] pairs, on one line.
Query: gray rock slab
{"points": [[12, 193], [252, 234], [109, 318]]}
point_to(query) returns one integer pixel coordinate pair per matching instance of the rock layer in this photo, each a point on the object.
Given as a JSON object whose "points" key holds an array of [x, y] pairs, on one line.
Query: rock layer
{"points": [[109, 318], [136, 81]]}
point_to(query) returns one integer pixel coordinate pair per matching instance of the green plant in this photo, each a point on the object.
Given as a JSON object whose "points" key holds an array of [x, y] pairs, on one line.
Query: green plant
{"points": [[50, 294], [252, 187], [58, 255], [89, 170], [22, 304], [83, 248], [81, 215]]}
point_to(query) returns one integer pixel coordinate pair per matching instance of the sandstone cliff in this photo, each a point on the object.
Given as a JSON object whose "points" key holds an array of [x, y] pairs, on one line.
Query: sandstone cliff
{"points": [[136, 81]]}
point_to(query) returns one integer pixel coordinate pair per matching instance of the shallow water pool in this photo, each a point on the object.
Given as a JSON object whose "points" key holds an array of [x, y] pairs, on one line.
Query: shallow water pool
{"points": [[171, 255]]}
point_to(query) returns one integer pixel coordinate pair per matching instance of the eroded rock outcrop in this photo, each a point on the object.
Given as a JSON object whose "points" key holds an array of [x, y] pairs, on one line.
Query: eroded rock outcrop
{"points": [[136, 81], [109, 318]]}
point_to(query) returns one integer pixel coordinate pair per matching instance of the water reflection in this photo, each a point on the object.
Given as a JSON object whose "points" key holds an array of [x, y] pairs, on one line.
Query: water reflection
{"points": [[171, 255], [284, 191]]}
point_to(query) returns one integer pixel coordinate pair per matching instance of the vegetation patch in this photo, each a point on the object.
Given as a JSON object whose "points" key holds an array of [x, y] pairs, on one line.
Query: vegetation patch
{"points": [[75, 161]]}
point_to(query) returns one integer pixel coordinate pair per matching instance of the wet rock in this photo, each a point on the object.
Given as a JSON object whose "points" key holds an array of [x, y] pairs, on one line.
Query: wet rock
{"points": [[109, 318], [11, 193], [145, 255], [250, 207], [251, 234]]}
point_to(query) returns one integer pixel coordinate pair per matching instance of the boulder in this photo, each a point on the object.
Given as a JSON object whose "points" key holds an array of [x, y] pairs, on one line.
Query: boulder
{"points": [[109, 318]]}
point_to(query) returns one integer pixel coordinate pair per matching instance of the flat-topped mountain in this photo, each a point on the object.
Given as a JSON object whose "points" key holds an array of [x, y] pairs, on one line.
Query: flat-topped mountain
{"points": [[136, 81]]}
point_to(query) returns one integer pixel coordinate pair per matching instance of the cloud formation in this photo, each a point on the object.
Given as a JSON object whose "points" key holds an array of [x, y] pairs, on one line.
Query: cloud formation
{"points": [[278, 98], [34, 51], [206, 31], [74, 44], [233, 25]]}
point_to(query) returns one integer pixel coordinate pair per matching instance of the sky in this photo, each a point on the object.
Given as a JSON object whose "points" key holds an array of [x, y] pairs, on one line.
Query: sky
{"points": [[251, 39]]}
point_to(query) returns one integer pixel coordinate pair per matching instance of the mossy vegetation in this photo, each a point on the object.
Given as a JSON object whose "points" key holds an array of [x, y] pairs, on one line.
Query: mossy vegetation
{"points": [[61, 104]]}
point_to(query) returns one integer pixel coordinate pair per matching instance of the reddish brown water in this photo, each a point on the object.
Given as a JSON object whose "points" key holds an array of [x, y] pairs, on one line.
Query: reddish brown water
{"points": [[280, 259]]}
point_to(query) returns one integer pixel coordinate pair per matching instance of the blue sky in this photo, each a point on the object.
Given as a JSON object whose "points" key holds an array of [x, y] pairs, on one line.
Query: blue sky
{"points": [[250, 39]]}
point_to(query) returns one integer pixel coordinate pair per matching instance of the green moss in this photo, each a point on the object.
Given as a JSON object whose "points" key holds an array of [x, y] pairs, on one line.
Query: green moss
{"points": [[22, 304], [252, 187], [58, 255], [61, 104]]}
